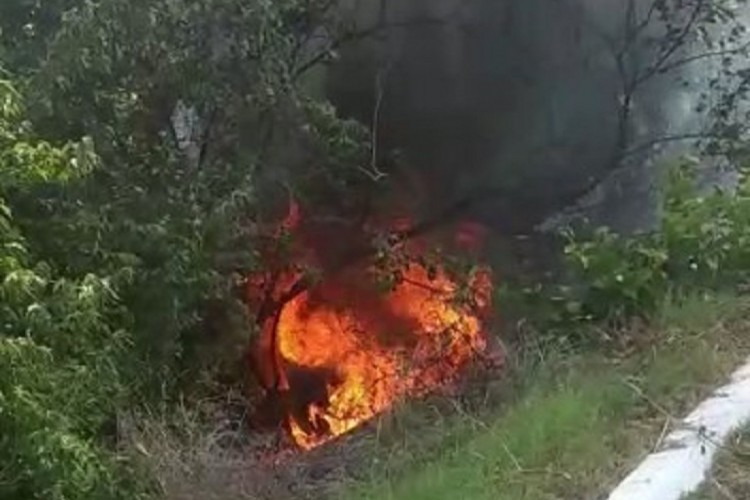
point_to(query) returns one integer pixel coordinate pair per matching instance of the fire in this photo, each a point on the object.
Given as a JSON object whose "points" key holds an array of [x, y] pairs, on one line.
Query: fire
{"points": [[377, 350], [348, 351]]}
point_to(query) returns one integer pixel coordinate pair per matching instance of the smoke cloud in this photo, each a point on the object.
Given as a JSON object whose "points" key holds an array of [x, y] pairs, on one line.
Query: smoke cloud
{"points": [[521, 94]]}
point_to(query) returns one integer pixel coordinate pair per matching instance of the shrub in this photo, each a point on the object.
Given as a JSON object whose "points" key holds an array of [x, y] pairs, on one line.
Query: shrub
{"points": [[615, 276], [703, 244], [61, 344]]}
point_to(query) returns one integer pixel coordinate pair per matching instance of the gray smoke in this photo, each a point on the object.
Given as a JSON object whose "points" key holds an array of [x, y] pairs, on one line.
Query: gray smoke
{"points": [[521, 94]]}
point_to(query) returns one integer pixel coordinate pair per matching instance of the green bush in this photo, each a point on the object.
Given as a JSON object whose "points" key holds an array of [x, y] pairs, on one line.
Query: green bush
{"points": [[615, 276], [703, 244], [122, 254], [61, 344], [707, 236]]}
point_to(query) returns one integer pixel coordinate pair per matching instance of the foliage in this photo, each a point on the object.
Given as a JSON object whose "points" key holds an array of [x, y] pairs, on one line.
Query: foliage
{"points": [[26, 28], [156, 143], [707, 235], [60, 345], [130, 210], [194, 109], [621, 277], [702, 245]]}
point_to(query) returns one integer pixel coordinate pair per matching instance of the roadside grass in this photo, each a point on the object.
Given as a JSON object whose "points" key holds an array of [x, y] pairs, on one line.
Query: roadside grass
{"points": [[730, 476], [569, 426]]}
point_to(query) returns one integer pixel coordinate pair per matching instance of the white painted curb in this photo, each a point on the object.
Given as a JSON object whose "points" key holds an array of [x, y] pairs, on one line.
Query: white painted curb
{"points": [[680, 465]]}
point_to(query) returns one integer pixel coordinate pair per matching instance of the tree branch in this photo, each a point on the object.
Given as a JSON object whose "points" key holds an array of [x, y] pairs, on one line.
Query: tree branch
{"points": [[355, 36], [678, 43]]}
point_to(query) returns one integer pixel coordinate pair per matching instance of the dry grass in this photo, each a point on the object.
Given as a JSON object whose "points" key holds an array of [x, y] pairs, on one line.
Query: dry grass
{"points": [[730, 477], [204, 454], [189, 459]]}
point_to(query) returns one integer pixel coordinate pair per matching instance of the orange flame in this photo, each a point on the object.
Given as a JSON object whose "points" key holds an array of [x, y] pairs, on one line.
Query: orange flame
{"points": [[408, 342], [348, 352]]}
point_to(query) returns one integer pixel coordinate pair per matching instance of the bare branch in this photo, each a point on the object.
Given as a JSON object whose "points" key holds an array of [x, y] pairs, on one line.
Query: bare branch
{"points": [[705, 55], [688, 136], [678, 43], [375, 173], [355, 36]]}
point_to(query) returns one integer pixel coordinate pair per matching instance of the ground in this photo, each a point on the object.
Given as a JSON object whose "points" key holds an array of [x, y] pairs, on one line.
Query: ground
{"points": [[576, 423], [560, 423]]}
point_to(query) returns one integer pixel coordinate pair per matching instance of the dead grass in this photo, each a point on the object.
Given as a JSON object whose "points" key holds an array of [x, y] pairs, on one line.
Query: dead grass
{"points": [[198, 452], [187, 458], [730, 477]]}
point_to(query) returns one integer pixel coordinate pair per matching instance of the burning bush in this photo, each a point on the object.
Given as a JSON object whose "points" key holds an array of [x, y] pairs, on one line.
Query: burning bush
{"points": [[343, 350]]}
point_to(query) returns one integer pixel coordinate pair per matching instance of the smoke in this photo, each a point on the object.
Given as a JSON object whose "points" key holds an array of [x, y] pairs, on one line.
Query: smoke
{"points": [[519, 94]]}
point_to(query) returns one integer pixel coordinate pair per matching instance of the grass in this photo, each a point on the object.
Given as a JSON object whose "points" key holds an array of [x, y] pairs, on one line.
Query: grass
{"points": [[561, 424], [574, 424], [730, 477]]}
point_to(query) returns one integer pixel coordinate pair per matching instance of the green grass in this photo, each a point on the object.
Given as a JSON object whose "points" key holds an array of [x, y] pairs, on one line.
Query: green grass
{"points": [[573, 425]]}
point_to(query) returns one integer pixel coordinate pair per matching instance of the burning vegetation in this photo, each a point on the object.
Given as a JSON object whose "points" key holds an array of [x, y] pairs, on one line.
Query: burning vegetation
{"points": [[338, 351]]}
